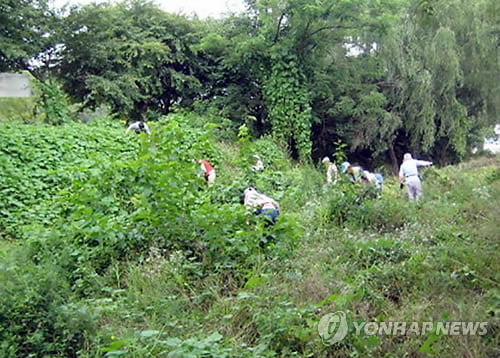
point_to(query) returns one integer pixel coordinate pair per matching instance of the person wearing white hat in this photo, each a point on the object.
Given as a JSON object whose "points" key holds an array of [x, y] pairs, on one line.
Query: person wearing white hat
{"points": [[332, 174], [408, 174], [353, 171]]}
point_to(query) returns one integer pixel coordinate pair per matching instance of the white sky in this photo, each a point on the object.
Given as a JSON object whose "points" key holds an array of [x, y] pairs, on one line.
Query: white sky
{"points": [[203, 8]]}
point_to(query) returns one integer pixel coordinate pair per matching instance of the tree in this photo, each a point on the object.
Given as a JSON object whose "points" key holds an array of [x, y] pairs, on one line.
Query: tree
{"points": [[26, 33], [443, 60], [286, 50], [132, 56]]}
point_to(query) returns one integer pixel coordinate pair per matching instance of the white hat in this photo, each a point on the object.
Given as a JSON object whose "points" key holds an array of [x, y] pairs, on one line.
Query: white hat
{"points": [[407, 156], [326, 160]]}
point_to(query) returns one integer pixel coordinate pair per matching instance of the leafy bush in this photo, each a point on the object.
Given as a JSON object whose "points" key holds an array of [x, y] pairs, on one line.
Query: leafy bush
{"points": [[38, 161], [119, 208], [53, 104], [343, 203], [39, 318], [128, 251], [385, 214]]}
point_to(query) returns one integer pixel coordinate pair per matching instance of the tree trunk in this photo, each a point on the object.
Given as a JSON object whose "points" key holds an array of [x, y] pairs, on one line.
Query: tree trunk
{"points": [[394, 159]]}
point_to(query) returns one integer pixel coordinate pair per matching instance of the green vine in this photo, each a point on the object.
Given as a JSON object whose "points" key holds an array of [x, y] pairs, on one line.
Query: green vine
{"points": [[288, 103], [53, 104]]}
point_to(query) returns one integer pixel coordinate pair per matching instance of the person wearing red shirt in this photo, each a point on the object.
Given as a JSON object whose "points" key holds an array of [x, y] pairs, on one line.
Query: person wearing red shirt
{"points": [[208, 171]]}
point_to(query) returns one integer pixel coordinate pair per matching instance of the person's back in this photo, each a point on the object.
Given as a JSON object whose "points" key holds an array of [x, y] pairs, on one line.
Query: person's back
{"points": [[257, 200], [369, 177], [354, 172], [139, 127], [265, 205], [374, 179], [208, 171], [408, 174], [331, 171]]}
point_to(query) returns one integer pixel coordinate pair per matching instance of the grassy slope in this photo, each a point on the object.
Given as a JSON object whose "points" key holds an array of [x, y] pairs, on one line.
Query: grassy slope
{"points": [[387, 259], [435, 261]]}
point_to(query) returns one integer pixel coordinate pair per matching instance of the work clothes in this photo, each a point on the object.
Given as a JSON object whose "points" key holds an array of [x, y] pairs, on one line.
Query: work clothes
{"points": [[139, 127]]}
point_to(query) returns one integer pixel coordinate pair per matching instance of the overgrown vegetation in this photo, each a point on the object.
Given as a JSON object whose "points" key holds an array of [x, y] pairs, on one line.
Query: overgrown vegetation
{"points": [[385, 76], [116, 247], [112, 245]]}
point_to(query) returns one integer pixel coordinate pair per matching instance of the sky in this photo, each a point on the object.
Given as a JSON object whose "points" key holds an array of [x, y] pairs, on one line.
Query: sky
{"points": [[203, 8]]}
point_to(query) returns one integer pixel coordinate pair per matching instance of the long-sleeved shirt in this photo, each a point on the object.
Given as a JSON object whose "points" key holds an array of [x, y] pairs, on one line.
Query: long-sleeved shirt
{"points": [[254, 199], [409, 168], [136, 126], [331, 173]]}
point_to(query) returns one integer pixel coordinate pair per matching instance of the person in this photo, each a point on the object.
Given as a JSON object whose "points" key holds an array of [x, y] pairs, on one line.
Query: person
{"points": [[408, 174], [380, 180], [139, 127], [332, 174], [259, 165], [266, 206], [375, 179], [353, 171], [207, 170]]}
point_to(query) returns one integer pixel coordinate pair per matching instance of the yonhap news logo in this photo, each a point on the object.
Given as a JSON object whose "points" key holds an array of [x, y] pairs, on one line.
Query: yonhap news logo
{"points": [[333, 328]]}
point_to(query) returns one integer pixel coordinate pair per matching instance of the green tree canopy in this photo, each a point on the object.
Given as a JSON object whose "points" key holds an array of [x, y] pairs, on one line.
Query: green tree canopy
{"points": [[443, 61], [27, 30], [130, 55]]}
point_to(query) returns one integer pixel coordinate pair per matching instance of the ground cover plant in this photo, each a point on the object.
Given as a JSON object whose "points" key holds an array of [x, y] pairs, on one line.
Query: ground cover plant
{"points": [[115, 247]]}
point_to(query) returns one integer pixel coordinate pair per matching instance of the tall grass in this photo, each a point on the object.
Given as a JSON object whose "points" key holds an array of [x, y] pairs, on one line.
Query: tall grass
{"points": [[141, 265]]}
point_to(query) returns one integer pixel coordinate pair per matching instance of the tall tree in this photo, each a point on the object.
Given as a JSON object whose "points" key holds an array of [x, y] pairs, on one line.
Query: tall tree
{"points": [[294, 50], [132, 56], [27, 29], [443, 60]]}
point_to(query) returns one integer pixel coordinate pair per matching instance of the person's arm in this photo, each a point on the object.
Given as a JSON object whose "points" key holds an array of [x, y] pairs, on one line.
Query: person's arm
{"points": [[423, 163], [401, 175], [329, 175]]}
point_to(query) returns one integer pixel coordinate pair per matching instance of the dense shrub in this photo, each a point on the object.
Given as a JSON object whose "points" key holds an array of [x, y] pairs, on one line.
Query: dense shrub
{"points": [[36, 162], [128, 252], [38, 316], [121, 207]]}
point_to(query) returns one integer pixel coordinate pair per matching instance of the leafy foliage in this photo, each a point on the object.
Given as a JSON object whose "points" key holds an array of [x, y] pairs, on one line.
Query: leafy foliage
{"points": [[310, 74], [121, 247], [25, 32], [288, 103], [38, 161], [131, 56], [38, 314], [444, 93], [133, 254]]}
